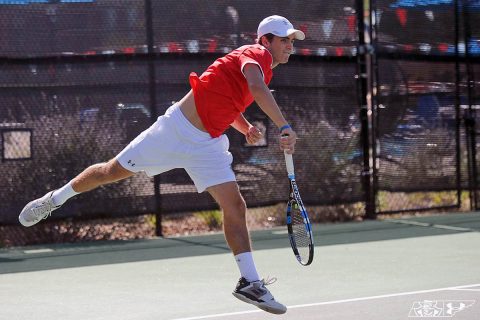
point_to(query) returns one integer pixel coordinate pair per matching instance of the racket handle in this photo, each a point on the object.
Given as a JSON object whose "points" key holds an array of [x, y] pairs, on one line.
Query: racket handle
{"points": [[289, 163]]}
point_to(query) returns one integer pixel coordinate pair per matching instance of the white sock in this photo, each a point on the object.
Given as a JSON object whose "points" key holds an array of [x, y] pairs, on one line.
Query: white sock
{"points": [[247, 266], [63, 194]]}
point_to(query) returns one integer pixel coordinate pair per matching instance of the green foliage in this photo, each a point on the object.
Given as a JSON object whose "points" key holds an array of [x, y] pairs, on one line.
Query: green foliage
{"points": [[213, 218], [62, 146], [151, 220], [403, 200], [334, 153]]}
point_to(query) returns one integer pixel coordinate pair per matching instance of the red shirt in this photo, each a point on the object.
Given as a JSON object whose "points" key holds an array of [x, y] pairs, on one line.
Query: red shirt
{"points": [[221, 92]]}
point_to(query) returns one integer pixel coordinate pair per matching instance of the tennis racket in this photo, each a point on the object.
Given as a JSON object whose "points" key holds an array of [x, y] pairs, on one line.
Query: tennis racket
{"points": [[298, 224]]}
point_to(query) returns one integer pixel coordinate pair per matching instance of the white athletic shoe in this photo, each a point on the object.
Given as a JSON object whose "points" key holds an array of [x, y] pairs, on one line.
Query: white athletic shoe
{"points": [[255, 293], [37, 210]]}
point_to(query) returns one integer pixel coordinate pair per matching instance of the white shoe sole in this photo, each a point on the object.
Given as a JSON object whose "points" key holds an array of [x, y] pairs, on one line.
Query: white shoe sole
{"points": [[260, 305], [22, 220], [29, 206]]}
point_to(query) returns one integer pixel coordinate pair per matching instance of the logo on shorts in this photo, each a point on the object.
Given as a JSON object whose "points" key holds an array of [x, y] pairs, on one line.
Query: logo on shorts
{"points": [[131, 163], [438, 308]]}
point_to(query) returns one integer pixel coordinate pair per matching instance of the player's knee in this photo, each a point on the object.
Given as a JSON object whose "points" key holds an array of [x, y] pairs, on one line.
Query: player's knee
{"points": [[104, 173], [113, 171], [236, 207]]}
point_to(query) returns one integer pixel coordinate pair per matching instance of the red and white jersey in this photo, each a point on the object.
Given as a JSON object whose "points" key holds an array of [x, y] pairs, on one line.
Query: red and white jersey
{"points": [[221, 92]]}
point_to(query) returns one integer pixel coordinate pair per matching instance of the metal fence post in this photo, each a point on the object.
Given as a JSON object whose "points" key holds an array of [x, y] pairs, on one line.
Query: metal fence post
{"points": [[457, 105], [375, 90], [364, 52], [153, 106], [470, 115]]}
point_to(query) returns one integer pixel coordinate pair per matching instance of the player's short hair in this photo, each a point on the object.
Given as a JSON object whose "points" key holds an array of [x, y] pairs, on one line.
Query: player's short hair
{"points": [[268, 36]]}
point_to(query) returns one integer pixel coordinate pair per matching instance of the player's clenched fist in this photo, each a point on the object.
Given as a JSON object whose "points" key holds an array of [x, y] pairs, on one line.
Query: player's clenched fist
{"points": [[253, 135]]}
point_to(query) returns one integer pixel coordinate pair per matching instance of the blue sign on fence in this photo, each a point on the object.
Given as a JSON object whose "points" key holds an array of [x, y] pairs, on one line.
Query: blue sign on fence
{"points": [[24, 2], [429, 3]]}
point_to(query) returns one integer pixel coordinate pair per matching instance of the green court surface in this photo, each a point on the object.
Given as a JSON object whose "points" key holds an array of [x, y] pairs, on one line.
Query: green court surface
{"points": [[391, 269]]}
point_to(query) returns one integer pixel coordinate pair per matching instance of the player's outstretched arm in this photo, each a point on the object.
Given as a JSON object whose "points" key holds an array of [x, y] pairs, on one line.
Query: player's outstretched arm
{"points": [[262, 94], [264, 98]]}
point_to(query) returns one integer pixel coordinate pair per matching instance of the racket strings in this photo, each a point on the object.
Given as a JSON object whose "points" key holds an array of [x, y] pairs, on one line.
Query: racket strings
{"points": [[300, 232]]}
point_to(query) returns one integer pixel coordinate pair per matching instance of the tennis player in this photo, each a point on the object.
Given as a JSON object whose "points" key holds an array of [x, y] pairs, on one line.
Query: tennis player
{"points": [[190, 135]]}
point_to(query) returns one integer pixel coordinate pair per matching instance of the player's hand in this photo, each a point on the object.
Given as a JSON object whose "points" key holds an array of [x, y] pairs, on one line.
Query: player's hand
{"points": [[288, 139], [253, 135]]}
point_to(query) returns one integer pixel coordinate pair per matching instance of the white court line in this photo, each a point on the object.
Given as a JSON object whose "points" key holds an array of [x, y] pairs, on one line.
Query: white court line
{"points": [[335, 302], [423, 224], [476, 290], [42, 250], [441, 226]]}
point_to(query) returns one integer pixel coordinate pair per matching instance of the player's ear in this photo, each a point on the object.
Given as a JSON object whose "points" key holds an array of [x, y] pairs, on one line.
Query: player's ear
{"points": [[264, 41]]}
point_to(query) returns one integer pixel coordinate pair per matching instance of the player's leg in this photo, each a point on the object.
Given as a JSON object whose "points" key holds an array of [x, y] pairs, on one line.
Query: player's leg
{"points": [[100, 174], [228, 196], [250, 288], [141, 154], [210, 167], [91, 178]]}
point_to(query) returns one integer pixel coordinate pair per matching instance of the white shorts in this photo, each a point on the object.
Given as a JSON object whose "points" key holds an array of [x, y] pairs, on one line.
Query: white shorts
{"points": [[173, 142]]}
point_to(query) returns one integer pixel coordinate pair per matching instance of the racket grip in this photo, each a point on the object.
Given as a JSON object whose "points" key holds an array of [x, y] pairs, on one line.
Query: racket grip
{"points": [[289, 163]]}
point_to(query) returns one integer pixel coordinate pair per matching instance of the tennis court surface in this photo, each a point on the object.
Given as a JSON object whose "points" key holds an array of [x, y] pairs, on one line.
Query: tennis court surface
{"points": [[423, 267]]}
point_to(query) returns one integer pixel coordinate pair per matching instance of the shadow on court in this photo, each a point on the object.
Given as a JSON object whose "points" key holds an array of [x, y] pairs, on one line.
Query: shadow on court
{"points": [[47, 257], [368, 270]]}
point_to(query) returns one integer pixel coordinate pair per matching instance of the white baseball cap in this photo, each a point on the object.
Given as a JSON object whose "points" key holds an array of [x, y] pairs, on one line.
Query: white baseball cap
{"points": [[278, 26]]}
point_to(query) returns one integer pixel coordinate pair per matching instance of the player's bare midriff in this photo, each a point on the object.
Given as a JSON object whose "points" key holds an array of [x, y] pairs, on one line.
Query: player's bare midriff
{"points": [[189, 110]]}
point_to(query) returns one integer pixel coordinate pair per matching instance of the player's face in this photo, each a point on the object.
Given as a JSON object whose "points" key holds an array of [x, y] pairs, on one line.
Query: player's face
{"points": [[281, 49]]}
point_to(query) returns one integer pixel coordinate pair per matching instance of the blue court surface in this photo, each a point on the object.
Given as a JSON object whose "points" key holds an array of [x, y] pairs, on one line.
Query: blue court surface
{"points": [[423, 267]]}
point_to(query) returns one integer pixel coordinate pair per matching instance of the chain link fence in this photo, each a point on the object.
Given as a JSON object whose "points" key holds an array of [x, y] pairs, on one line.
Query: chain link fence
{"points": [[80, 79]]}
